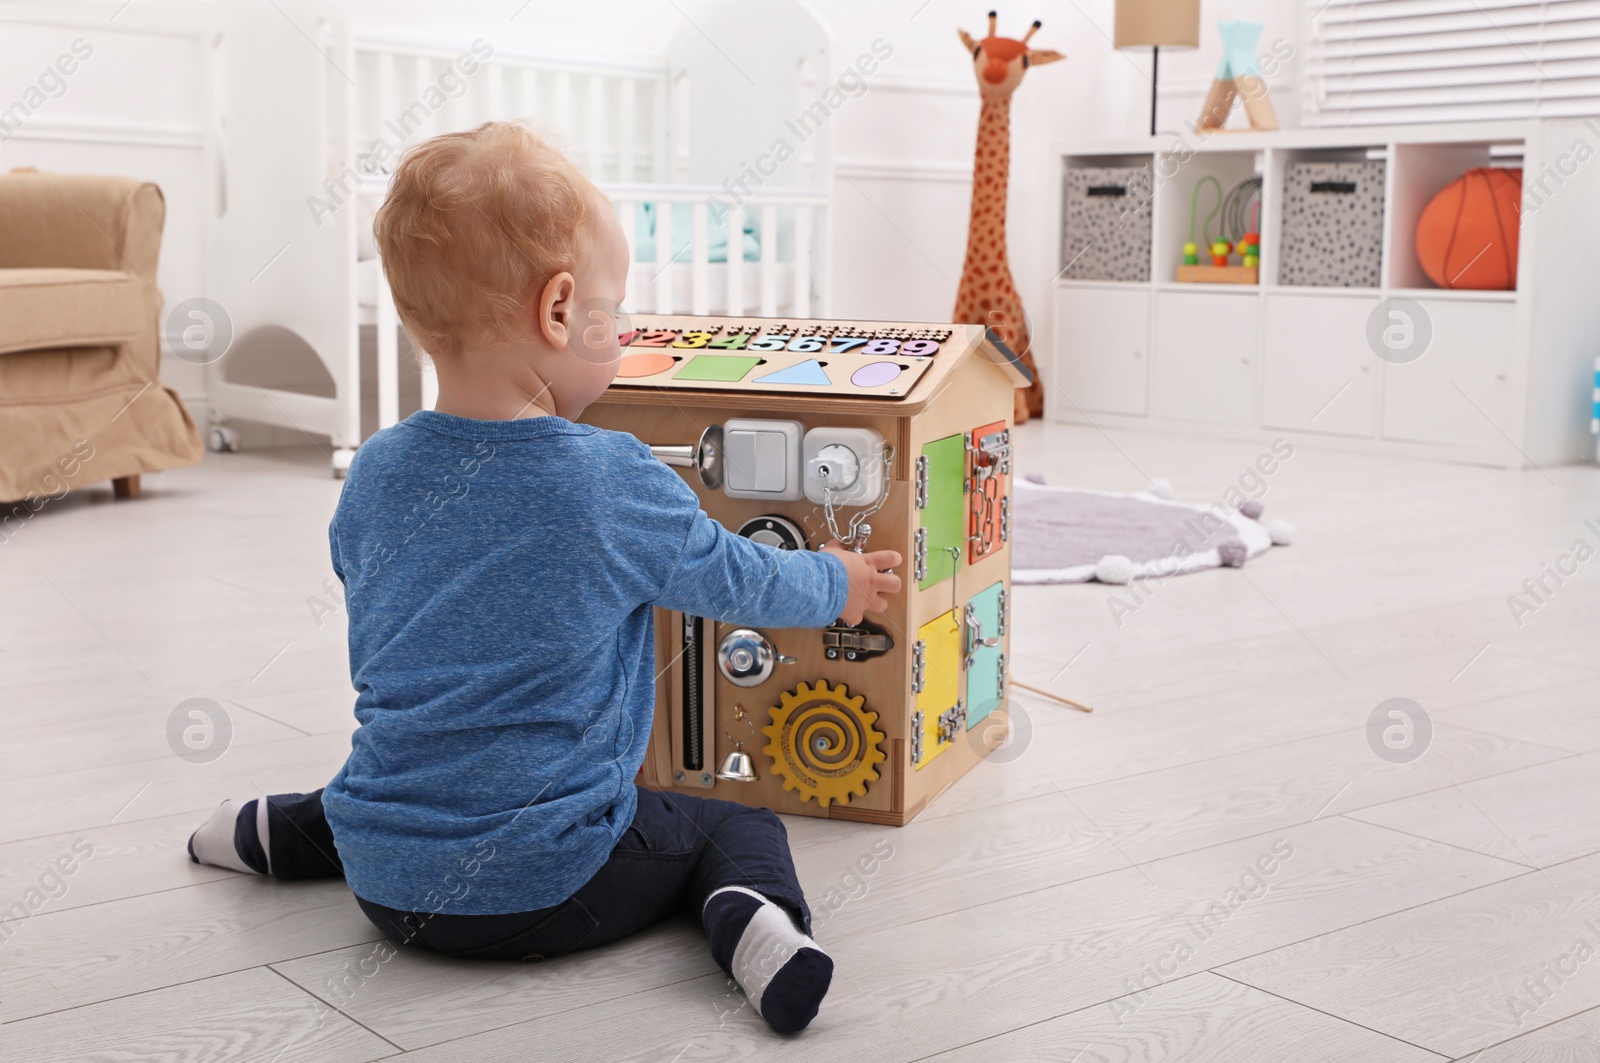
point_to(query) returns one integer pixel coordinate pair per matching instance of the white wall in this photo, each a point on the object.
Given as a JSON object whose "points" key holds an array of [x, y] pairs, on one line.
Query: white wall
{"points": [[902, 150]]}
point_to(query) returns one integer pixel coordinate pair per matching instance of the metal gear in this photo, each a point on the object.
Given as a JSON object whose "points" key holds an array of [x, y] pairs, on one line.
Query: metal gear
{"points": [[823, 744]]}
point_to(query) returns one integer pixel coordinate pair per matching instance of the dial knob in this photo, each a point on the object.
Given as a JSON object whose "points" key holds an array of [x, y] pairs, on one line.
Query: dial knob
{"points": [[773, 530]]}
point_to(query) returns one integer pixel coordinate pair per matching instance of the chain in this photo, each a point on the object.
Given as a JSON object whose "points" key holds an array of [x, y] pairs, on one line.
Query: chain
{"points": [[858, 531]]}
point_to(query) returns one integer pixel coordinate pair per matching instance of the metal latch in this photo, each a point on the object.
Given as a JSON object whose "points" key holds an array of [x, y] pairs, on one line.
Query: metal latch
{"points": [[855, 643], [919, 665], [922, 481], [916, 737], [951, 722], [919, 555], [974, 637]]}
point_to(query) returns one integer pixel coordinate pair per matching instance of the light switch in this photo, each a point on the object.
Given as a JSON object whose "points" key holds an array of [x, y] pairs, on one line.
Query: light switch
{"points": [[762, 459]]}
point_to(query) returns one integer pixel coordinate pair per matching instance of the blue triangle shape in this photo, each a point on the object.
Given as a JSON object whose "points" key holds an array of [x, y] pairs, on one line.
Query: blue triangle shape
{"points": [[809, 371]]}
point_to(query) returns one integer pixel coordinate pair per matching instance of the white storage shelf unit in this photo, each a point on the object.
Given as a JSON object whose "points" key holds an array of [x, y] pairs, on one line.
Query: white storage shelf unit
{"points": [[1504, 381]]}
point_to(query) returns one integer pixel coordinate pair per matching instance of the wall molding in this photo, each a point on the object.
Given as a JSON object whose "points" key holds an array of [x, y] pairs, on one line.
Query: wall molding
{"points": [[899, 170], [924, 83], [128, 133]]}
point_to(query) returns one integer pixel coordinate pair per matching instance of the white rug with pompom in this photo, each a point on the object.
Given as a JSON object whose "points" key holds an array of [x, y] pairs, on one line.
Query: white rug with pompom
{"points": [[1071, 535]]}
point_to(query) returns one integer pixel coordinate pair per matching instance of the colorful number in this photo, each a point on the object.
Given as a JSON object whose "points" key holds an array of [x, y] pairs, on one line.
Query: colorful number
{"points": [[883, 346], [654, 338], [919, 348], [770, 343], [806, 344], [735, 342], [841, 344], [692, 340]]}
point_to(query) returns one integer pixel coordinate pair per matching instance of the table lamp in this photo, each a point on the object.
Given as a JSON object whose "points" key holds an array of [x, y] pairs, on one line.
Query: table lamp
{"points": [[1157, 24]]}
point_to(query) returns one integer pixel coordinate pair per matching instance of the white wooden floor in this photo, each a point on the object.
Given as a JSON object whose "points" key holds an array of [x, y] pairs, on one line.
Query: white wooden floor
{"points": [[1050, 906]]}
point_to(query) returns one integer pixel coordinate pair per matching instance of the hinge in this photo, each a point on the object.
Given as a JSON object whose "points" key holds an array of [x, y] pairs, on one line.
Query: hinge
{"points": [[1000, 677], [919, 665], [916, 737], [951, 721], [919, 555], [1005, 518], [922, 481], [1005, 609]]}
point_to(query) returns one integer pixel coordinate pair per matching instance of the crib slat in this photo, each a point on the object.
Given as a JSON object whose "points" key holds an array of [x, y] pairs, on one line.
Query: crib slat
{"points": [[626, 132], [769, 261], [388, 320], [430, 384], [661, 283], [735, 261], [597, 127], [494, 91], [527, 103], [628, 219], [702, 262], [386, 95], [802, 261], [422, 77], [658, 132], [563, 117]]}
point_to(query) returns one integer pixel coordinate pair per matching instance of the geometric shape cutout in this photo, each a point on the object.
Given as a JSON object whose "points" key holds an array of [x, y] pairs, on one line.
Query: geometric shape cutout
{"points": [[809, 371], [874, 374], [721, 367], [635, 365]]}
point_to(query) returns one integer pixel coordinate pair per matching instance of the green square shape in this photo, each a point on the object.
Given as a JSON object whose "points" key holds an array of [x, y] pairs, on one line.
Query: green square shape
{"points": [[725, 368], [944, 518], [983, 678]]}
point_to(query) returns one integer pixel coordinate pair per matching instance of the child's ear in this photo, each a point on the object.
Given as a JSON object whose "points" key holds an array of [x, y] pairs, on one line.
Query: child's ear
{"points": [[555, 310]]}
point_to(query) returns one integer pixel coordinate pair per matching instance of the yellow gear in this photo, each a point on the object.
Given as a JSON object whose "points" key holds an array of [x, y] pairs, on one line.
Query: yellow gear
{"points": [[822, 742]]}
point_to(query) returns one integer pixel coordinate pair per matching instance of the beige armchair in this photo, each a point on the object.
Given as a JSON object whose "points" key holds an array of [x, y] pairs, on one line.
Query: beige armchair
{"points": [[80, 346]]}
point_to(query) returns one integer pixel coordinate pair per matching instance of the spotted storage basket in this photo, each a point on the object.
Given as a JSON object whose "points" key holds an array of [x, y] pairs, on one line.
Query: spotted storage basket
{"points": [[1332, 233], [1105, 231]]}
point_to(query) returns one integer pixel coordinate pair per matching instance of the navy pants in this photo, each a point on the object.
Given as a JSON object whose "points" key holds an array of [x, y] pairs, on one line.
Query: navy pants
{"points": [[677, 852]]}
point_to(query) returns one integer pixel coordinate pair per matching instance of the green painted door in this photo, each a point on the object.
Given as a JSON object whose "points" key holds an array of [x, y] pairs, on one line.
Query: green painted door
{"points": [[944, 517]]}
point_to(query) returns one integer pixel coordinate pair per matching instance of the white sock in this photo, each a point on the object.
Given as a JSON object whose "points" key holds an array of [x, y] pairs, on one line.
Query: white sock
{"points": [[215, 842], [783, 973]]}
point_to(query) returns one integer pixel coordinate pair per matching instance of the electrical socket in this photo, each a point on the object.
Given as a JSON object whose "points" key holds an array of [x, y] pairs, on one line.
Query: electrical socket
{"points": [[863, 445]]}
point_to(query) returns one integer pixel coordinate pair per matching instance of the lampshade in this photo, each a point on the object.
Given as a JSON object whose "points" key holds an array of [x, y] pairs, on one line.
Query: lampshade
{"points": [[1165, 23]]}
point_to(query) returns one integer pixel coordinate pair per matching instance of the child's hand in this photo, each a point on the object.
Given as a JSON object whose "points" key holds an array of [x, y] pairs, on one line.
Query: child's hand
{"points": [[871, 582]]}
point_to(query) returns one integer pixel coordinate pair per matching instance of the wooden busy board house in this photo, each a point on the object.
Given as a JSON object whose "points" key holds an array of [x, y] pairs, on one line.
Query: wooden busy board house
{"points": [[901, 434]]}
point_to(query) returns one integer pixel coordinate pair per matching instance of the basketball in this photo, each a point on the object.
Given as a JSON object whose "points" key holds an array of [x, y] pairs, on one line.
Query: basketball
{"points": [[1467, 235]]}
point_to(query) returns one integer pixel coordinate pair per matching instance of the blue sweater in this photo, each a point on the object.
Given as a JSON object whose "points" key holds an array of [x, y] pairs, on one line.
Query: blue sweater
{"points": [[499, 578]]}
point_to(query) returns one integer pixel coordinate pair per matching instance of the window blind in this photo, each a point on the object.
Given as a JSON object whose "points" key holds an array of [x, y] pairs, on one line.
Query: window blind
{"points": [[1377, 62]]}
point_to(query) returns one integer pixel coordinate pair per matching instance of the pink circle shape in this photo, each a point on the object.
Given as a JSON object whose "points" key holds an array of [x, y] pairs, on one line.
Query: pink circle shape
{"points": [[637, 365], [874, 374]]}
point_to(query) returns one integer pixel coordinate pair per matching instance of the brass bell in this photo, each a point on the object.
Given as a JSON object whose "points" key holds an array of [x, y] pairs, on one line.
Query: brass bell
{"points": [[737, 765]]}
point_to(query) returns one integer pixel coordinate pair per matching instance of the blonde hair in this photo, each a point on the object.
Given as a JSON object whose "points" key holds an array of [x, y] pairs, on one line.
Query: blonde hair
{"points": [[474, 224]]}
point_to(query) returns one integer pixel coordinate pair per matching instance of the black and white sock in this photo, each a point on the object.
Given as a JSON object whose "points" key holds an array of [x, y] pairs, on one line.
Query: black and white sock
{"points": [[234, 837], [783, 973]]}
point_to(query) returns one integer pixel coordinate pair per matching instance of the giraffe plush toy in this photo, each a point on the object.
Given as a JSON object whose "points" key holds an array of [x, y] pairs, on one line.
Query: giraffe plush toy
{"points": [[987, 295]]}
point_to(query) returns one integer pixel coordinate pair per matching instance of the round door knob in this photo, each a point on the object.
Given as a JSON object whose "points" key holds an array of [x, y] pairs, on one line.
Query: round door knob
{"points": [[746, 657]]}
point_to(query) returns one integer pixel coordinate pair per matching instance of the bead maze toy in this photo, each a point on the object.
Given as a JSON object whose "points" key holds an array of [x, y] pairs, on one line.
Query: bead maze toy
{"points": [[1239, 233], [795, 433]]}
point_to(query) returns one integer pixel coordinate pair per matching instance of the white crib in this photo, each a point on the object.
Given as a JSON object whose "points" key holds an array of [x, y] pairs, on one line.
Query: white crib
{"points": [[309, 173]]}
